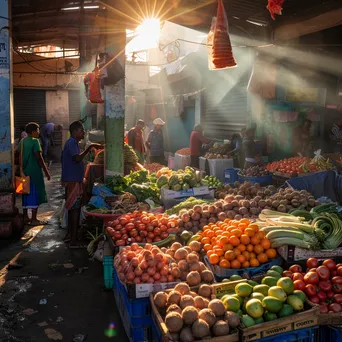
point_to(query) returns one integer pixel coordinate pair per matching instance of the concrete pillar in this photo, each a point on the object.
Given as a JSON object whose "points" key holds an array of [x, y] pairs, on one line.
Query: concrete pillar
{"points": [[6, 99], [115, 112]]}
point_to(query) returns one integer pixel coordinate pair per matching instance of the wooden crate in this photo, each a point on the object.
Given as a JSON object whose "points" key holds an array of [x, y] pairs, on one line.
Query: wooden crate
{"points": [[329, 318], [301, 320], [163, 331]]}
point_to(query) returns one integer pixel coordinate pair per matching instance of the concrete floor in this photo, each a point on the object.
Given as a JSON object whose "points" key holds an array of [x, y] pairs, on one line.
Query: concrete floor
{"points": [[71, 284]]}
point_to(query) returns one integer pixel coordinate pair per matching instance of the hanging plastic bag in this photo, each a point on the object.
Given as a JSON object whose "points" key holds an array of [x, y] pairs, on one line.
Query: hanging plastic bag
{"points": [[92, 84], [221, 49], [275, 7]]}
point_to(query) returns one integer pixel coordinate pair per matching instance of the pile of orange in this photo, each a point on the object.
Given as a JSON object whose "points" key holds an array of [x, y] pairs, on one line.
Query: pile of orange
{"points": [[236, 244]]}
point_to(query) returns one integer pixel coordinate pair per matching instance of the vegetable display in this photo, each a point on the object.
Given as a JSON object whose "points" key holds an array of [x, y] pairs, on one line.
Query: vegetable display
{"points": [[130, 157], [219, 151], [141, 227], [189, 203], [191, 316], [276, 297], [236, 244], [153, 168], [254, 171], [213, 182], [184, 151], [321, 283]]}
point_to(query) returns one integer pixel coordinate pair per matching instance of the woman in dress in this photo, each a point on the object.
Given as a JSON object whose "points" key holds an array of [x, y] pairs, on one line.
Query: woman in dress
{"points": [[33, 165]]}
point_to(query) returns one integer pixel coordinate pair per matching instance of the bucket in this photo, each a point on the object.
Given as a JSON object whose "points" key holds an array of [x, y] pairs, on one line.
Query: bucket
{"points": [[171, 163], [230, 176]]}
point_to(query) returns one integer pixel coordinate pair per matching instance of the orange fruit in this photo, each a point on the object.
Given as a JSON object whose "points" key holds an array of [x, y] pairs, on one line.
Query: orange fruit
{"points": [[241, 247], [241, 258], [210, 233], [252, 255], [205, 228], [246, 255], [237, 232], [246, 264], [254, 262], [258, 249], [254, 226], [218, 233], [205, 240], [235, 241], [271, 253], [250, 248], [260, 235], [223, 240], [219, 251], [229, 255], [235, 264], [214, 259], [207, 247], [230, 228], [210, 252], [235, 223], [228, 247], [255, 240], [265, 243], [245, 239], [249, 232], [262, 257], [226, 234], [236, 251], [245, 221], [224, 263]]}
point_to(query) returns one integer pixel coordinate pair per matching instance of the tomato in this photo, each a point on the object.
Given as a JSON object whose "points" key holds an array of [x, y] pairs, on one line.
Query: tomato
{"points": [[155, 223], [335, 307], [311, 270], [129, 226], [295, 268], [323, 272], [297, 276], [143, 233], [336, 280], [117, 235], [156, 231], [299, 285], [325, 285], [145, 220], [337, 288], [314, 299], [120, 243], [149, 228], [330, 264], [333, 273], [311, 263], [323, 308], [311, 278], [141, 226], [163, 228], [123, 221], [321, 295], [288, 274], [337, 298], [330, 294], [311, 290], [138, 238], [164, 235]]}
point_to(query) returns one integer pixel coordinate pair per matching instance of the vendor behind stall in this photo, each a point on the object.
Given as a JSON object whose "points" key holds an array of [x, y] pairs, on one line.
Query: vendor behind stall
{"points": [[196, 141], [249, 148], [155, 142], [237, 152], [136, 140], [301, 140]]}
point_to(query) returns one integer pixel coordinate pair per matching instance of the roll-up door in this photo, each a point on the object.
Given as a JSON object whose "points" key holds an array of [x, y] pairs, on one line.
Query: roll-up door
{"points": [[227, 113], [74, 106], [29, 106]]}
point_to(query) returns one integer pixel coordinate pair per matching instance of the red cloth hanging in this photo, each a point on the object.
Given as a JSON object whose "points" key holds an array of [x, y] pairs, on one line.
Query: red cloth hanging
{"points": [[275, 7], [92, 83], [221, 51]]}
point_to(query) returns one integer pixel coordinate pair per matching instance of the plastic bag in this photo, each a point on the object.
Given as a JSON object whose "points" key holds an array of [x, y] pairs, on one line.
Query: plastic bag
{"points": [[101, 190], [98, 202], [221, 56], [92, 83]]}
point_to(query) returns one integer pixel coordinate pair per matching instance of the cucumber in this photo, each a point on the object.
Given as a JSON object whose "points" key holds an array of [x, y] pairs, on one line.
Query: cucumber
{"points": [[282, 233], [268, 229]]}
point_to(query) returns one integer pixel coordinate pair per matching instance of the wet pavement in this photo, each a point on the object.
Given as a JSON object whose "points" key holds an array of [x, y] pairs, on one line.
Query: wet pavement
{"points": [[57, 294]]}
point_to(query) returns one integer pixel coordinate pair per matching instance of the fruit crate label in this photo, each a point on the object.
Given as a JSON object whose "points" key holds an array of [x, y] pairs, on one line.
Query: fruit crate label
{"points": [[252, 337], [305, 323], [277, 330], [226, 288]]}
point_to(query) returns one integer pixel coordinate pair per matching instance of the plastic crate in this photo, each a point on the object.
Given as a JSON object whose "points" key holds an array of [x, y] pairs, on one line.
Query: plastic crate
{"points": [[108, 271], [329, 333], [224, 273], [230, 176], [263, 180], [138, 311], [302, 335]]}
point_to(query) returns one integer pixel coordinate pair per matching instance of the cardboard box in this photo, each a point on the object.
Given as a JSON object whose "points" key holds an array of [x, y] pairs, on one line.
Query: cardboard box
{"points": [[301, 320], [170, 194], [136, 291], [292, 253], [221, 289]]}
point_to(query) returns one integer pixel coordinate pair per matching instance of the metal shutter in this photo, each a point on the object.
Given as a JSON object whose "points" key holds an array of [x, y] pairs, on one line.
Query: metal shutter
{"points": [[228, 115], [29, 106], [74, 106]]}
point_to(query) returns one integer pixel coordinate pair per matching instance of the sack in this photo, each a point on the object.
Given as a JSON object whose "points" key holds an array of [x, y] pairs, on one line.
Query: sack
{"points": [[22, 185]]}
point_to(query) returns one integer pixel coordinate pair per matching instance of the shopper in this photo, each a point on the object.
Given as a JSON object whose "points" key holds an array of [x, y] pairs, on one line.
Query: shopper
{"points": [[46, 136], [23, 133], [33, 165], [301, 140], [249, 148], [237, 152], [72, 179], [136, 140], [196, 141], [155, 142]]}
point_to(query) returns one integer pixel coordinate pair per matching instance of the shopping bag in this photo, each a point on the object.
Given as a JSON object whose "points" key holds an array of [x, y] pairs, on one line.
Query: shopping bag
{"points": [[221, 50], [22, 185]]}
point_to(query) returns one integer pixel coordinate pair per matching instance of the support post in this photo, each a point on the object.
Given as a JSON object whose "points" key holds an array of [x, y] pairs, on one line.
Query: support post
{"points": [[115, 113], [6, 99]]}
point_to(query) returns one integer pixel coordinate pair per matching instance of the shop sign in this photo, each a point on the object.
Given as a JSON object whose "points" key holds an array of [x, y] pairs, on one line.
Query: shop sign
{"points": [[302, 95], [4, 54]]}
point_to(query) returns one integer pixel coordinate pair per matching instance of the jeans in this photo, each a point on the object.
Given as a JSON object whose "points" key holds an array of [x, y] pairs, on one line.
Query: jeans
{"points": [[45, 142]]}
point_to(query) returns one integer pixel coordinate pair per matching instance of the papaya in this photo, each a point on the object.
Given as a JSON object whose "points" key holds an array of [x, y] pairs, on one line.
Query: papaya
{"points": [[272, 304], [162, 181]]}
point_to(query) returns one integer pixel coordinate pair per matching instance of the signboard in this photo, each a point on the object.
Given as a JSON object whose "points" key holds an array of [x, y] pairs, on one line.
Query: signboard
{"points": [[4, 53], [302, 94]]}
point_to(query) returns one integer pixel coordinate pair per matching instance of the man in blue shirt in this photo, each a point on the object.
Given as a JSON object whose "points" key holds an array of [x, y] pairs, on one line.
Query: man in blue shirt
{"points": [[155, 142], [46, 136], [72, 179]]}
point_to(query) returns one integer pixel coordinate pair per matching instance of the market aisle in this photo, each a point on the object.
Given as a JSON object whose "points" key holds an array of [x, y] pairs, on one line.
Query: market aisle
{"points": [[69, 283]]}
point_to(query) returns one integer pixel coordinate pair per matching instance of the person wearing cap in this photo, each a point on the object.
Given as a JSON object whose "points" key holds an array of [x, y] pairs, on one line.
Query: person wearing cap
{"points": [[136, 140], [196, 141], [155, 142]]}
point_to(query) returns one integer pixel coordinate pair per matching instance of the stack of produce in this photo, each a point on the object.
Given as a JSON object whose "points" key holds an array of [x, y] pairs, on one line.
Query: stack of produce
{"points": [[274, 298], [191, 316], [254, 171], [213, 182], [322, 284], [189, 203], [245, 190], [150, 264], [181, 180], [142, 227], [219, 151], [153, 167], [236, 244], [184, 151], [130, 157]]}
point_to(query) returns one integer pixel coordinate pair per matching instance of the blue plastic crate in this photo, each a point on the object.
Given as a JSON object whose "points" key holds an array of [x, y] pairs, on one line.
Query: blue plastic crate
{"points": [[224, 273], [329, 333], [230, 176], [138, 310], [302, 335], [108, 271], [263, 180]]}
